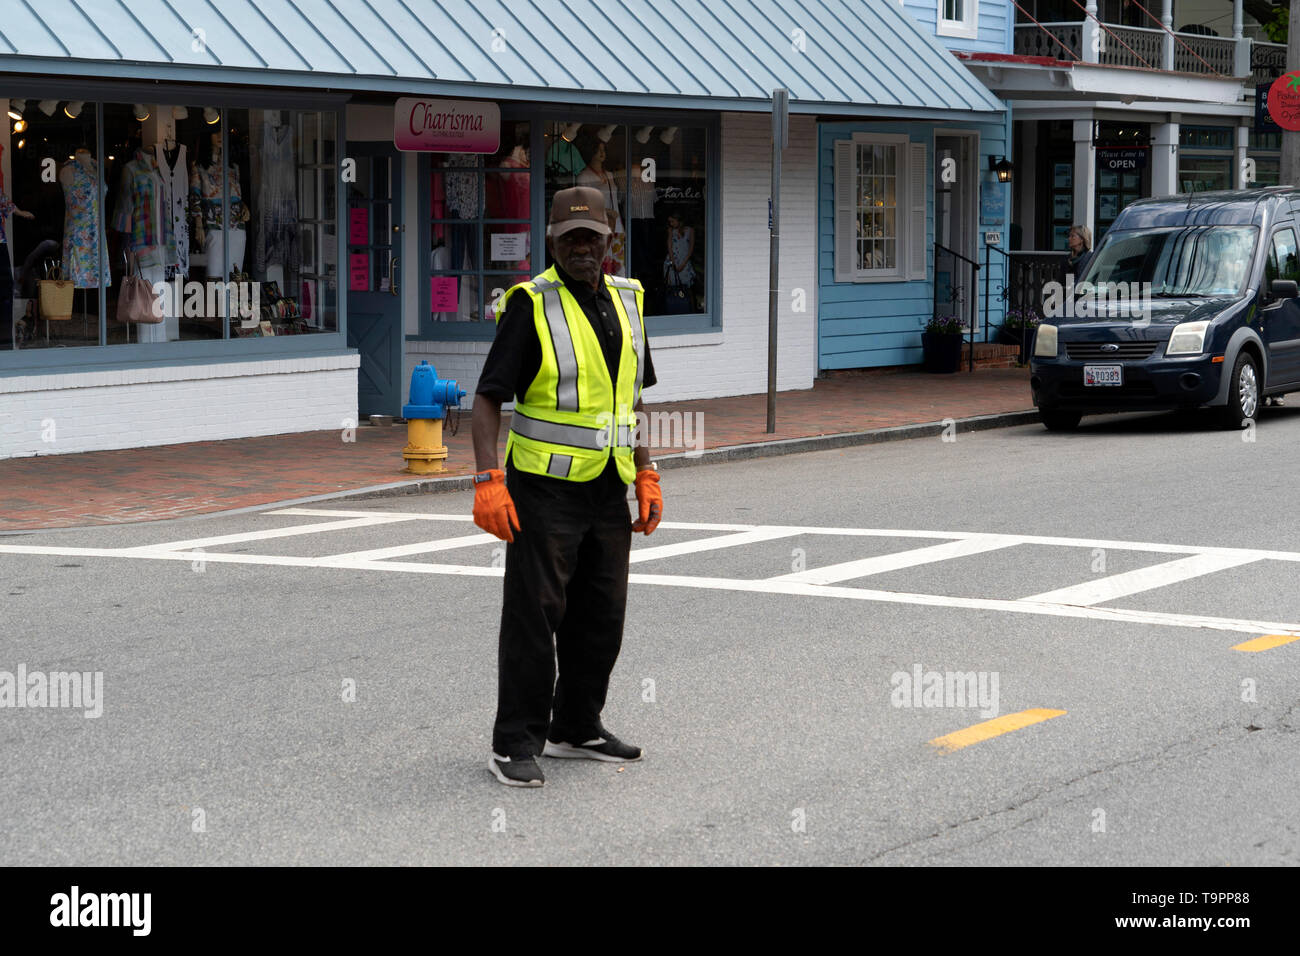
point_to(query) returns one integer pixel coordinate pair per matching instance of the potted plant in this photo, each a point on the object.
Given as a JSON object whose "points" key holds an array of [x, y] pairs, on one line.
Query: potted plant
{"points": [[1017, 325], [941, 342]]}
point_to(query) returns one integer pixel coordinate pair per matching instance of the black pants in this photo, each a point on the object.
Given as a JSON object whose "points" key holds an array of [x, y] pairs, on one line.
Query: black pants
{"points": [[564, 599]]}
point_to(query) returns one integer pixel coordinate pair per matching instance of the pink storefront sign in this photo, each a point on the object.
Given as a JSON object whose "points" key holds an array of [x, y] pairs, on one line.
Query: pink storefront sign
{"points": [[359, 272], [446, 126], [359, 227], [443, 294]]}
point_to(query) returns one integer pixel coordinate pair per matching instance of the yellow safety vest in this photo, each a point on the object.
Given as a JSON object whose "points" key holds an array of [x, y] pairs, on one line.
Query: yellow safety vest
{"points": [[572, 418]]}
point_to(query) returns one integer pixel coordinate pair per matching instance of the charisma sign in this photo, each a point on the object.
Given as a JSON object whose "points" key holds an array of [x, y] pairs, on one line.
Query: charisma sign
{"points": [[446, 126]]}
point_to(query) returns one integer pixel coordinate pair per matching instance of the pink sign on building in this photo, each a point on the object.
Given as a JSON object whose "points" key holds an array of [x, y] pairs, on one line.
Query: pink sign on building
{"points": [[446, 126]]}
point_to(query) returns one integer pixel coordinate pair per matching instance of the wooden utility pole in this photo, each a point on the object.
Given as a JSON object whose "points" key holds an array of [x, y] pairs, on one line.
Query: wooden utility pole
{"points": [[1289, 171]]}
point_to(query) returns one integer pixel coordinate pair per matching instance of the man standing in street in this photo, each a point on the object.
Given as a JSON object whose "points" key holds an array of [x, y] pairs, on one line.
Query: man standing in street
{"points": [[571, 351]]}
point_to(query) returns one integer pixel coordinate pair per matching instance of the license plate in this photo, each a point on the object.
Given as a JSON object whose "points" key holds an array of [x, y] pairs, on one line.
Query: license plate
{"points": [[1103, 375]]}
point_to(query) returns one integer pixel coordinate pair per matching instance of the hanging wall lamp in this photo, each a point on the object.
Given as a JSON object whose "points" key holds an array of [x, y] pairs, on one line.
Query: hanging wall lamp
{"points": [[1002, 168]]}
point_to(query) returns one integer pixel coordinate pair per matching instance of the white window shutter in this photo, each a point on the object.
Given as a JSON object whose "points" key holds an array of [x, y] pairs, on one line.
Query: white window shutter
{"points": [[916, 232], [846, 233]]}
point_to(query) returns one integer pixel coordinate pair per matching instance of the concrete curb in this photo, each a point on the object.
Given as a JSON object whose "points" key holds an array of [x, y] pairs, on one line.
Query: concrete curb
{"points": [[710, 456]]}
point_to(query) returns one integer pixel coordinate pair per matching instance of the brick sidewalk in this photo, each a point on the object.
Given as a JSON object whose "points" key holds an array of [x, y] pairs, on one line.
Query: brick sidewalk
{"points": [[169, 481]]}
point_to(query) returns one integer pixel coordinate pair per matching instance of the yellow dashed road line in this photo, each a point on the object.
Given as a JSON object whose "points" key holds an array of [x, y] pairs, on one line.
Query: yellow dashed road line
{"points": [[993, 728], [1265, 642]]}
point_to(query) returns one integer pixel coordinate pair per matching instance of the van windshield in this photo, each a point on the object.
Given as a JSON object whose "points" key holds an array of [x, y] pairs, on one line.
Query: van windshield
{"points": [[1180, 261]]}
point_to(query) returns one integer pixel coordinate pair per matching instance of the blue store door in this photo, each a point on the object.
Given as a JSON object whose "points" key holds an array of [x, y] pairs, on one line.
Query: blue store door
{"points": [[374, 228]]}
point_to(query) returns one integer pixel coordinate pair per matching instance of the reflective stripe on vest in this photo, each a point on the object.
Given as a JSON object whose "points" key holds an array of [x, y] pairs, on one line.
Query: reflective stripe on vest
{"points": [[557, 434], [559, 466], [566, 356]]}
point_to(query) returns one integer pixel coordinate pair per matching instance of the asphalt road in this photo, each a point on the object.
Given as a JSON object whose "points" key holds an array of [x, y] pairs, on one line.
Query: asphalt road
{"points": [[769, 710]]}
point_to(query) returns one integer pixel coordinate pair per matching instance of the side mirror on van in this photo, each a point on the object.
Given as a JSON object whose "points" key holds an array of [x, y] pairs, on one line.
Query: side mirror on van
{"points": [[1284, 289]]}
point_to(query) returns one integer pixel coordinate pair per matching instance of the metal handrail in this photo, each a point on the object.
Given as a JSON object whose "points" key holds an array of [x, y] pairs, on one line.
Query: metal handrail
{"points": [[975, 267]]}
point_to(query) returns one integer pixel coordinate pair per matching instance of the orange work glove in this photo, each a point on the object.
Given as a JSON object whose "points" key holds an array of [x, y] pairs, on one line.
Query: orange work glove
{"points": [[494, 510], [649, 500]]}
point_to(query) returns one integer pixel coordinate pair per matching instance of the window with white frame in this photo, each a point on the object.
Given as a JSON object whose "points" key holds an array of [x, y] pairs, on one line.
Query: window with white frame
{"points": [[958, 18], [879, 208]]}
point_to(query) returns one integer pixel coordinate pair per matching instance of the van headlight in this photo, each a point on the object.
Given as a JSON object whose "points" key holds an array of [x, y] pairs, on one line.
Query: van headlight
{"points": [[1045, 342], [1187, 339]]}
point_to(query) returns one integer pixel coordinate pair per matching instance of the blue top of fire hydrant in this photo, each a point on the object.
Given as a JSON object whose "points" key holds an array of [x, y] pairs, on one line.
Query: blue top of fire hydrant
{"points": [[430, 394]]}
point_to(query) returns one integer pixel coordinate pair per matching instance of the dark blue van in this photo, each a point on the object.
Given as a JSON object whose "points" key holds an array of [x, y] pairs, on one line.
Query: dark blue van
{"points": [[1188, 301]]}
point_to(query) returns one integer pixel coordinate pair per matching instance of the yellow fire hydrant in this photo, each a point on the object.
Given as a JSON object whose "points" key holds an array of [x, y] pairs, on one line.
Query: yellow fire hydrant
{"points": [[430, 397]]}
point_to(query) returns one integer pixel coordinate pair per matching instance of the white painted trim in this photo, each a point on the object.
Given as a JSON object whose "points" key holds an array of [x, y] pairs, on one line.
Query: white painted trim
{"points": [[90, 378], [967, 28], [902, 207]]}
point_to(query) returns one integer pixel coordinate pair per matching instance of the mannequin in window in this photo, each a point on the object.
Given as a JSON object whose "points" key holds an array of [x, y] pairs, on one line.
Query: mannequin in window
{"points": [[81, 234], [597, 176], [144, 219], [207, 216]]}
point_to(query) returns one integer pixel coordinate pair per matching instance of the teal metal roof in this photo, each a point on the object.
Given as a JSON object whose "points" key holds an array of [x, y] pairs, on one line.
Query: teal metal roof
{"points": [[835, 56]]}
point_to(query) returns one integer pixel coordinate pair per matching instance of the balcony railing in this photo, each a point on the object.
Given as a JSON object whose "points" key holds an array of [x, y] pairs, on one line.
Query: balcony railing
{"points": [[1267, 61], [1130, 46]]}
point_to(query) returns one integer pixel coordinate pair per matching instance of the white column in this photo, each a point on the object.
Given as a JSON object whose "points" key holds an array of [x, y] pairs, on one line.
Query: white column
{"points": [[1090, 35], [1239, 154], [1085, 175], [1167, 46], [1164, 157], [1241, 45]]}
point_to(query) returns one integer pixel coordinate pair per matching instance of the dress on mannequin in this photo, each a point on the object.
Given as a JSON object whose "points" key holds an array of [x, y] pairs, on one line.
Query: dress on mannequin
{"points": [[205, 204], [275, 242], [144, 217], [172, 172], [81, 222]]}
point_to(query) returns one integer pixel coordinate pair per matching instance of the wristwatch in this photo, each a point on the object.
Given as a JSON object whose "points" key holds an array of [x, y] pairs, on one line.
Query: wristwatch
{"points": [[482, 476]]}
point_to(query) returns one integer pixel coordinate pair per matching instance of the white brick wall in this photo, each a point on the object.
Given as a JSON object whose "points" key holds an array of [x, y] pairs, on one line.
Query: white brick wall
{"points": [[734, 360], [131, 408]]}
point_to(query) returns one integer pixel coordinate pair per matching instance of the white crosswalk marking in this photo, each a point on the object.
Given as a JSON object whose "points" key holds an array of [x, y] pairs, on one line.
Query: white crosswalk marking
{"points": [[710, 544], [902, 559], [1142, 579], [1074, 601]]}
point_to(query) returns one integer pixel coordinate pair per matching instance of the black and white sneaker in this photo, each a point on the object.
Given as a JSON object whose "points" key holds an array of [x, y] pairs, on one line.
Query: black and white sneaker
{"points": [[605, 747], [518, 771]]}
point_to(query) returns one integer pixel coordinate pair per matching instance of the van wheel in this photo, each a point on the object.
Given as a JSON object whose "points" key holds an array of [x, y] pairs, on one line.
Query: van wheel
{"points": [[1243, 393], [1059, 421]]}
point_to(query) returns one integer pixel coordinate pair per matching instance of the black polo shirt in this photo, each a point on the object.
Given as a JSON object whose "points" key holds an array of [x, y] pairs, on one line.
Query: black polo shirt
{"points": [[516, 354]]}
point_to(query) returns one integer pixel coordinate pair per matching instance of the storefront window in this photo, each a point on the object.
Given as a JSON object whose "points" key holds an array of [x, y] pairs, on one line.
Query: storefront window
{"points": [[481, 228], [52, 207], [1203, 173], [281, 235], [653, 179], [234, 246]]}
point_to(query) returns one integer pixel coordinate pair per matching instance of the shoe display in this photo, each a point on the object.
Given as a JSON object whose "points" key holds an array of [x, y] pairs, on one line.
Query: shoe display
{"points": [[517, 771]]}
